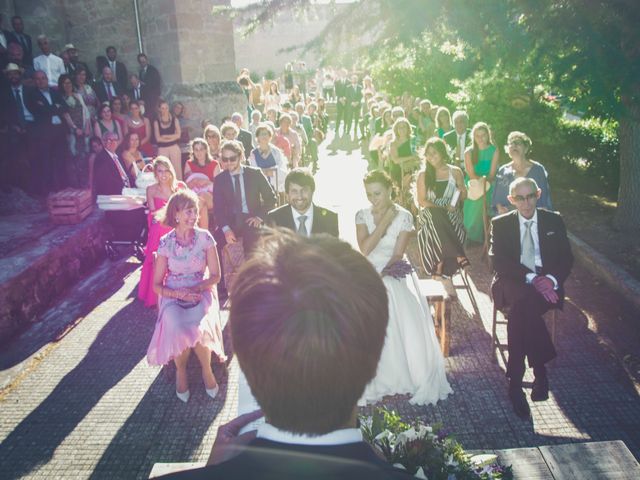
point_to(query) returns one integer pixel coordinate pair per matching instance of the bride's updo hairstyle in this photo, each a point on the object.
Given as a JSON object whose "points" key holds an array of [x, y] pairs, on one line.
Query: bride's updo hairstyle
{"points": [[381, 177], [308, 320]]}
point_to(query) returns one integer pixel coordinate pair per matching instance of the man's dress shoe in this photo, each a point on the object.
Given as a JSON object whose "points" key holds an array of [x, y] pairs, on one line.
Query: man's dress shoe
{"points": [[540, 389], [519, 402]]}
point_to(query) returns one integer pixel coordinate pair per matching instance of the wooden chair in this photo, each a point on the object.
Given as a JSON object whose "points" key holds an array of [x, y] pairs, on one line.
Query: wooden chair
{"points": [[440, 294], [503, 346]]}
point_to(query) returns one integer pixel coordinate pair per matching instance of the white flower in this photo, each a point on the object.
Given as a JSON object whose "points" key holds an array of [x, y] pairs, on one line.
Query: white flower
{"points": [[384, 434], [424, 431], [420, 474], [407, 436], [450, 461], [399, 465]]}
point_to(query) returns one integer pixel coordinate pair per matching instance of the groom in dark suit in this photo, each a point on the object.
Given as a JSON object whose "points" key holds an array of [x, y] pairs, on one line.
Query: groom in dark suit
{"points": [[531, 259], [242, 196], [301, 215], [321, 312]]}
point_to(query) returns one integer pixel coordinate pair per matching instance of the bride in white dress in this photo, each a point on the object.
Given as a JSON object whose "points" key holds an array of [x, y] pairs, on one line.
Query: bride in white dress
{"points": [[411, 360]]}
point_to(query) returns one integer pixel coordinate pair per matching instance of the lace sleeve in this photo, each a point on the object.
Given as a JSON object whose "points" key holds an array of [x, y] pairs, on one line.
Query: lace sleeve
{"points": [[406, 221], [163, 246], [208, 240], [360, 220]]}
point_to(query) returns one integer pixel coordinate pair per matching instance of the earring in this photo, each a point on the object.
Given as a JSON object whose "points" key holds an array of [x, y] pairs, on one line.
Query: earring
{"points": [[177, 220]]}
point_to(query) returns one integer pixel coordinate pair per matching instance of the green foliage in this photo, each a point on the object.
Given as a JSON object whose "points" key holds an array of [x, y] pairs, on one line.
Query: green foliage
{"points": [[255, 77], [270, 75], [507, 104], [592, 146]]}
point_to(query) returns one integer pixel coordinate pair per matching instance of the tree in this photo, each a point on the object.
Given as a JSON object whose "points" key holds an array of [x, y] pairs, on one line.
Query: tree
{"points": [[587, 49]]}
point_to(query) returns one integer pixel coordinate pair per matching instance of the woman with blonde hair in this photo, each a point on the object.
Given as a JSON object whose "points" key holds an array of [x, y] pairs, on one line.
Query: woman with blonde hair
{"points": [[443, 121], [157, 196], [403, 161], [188, 313]]}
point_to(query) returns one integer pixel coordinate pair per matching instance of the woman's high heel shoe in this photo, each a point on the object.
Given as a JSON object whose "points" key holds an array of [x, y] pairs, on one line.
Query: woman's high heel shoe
{"points": [[184, 396], [213, 392]]}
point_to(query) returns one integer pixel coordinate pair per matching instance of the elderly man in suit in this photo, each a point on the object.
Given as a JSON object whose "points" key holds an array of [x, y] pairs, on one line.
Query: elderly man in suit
{"points": [[301, 215], [321, 312], [242, 196], [531, 259], [106, 88], [459, 138]]}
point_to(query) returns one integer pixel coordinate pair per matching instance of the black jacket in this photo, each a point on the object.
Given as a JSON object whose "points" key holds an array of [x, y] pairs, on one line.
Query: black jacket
{"points": [[324, 220]]}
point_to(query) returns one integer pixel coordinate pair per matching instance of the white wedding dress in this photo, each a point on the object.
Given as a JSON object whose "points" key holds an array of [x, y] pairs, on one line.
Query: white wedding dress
{"points": [[411, 360]]}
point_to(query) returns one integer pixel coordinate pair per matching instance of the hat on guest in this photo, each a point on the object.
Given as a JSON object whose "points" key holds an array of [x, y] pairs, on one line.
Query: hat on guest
{"points": [[12, 67], [69, 46]]}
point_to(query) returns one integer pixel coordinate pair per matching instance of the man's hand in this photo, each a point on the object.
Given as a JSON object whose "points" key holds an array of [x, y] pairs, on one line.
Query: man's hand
{"points": [[544, 286], [229, 442], [255, 222], [230, 237]]}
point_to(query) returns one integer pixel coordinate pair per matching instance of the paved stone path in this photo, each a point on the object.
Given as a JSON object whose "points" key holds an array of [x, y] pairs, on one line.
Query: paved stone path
{"points": [[83, 403]]}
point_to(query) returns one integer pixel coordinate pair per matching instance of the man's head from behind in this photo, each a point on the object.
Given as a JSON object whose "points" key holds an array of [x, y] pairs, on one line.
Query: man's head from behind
{"points": [[308, 320]]}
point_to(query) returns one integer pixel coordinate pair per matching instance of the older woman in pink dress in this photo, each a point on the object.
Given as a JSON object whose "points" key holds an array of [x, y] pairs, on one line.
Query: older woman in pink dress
{"points": [[189, 314]]}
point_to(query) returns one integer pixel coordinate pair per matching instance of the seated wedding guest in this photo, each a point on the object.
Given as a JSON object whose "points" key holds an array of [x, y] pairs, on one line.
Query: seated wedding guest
{"points": [[15, 55], [229, 131], [404, 161], [199, 174], [212, 135], [242, 196], [178, 110], [481, 162], [269, 158], [287, 132], [188, 311], [531, 259], [245, 136], [328, 314], [426, 126], [440, 195], [131, 155], [323, 116], [167, 132], [109, 178], [86, 92], [52, 65], [443, 121], [95, 147], [136, 123], [126, 102], [299, 129], [301, 215], [272, 97], [105, 123], [74, 63], [157, 197], [518, 146], [256, 119], [136, 89], [459, 138], [117, 114], [106, 88], [295, 96]]}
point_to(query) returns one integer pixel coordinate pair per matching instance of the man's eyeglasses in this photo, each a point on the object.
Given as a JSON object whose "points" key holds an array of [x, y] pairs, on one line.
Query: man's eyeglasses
{"points": [[516, 143], [521, 198], [231, 158]]}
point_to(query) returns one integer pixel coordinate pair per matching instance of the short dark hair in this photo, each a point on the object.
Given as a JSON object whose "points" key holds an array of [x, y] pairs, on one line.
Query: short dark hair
{"points": [[142, 55], [308, 321], [300, 176], [106, 50]]}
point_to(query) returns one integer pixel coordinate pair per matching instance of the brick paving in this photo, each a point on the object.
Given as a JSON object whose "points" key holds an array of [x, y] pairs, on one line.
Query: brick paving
{"points": [[87, 405]]}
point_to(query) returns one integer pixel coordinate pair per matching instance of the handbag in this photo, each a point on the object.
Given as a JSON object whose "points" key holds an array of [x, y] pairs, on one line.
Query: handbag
{"points": [[477, 188], [145, 177], [232, 260]]}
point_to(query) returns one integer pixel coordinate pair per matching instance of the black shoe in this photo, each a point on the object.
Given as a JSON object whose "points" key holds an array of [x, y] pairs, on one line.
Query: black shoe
{"points": [[519, 403], [540, 389]]}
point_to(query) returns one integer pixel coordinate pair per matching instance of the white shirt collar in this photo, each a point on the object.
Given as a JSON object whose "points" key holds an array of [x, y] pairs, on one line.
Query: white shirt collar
{"points": [[337, 437], [522, 220], [308, 213]]}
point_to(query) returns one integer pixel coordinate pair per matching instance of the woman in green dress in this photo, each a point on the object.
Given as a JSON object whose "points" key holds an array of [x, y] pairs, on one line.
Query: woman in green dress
{"points": [[481, 161]]}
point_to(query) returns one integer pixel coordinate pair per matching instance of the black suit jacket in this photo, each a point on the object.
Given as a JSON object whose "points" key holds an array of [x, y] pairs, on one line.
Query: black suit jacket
{"points": [[341, 88], [121, 76], [151, 80], [101, 91], [27, 45], [106, 179], [42, 110], [143, 93], [266, 459], [9, 116], [258, 192], [353, 94], [246, 139], [324, 220], [451, 137], [509, 273]]}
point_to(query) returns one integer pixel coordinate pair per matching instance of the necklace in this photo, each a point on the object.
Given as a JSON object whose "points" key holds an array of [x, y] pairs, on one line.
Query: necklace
{"points": [[136, 122]]}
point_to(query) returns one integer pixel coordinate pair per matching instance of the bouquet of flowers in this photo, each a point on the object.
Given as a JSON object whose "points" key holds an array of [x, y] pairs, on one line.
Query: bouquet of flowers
{"points": [[398, 269], [426, 451]]}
